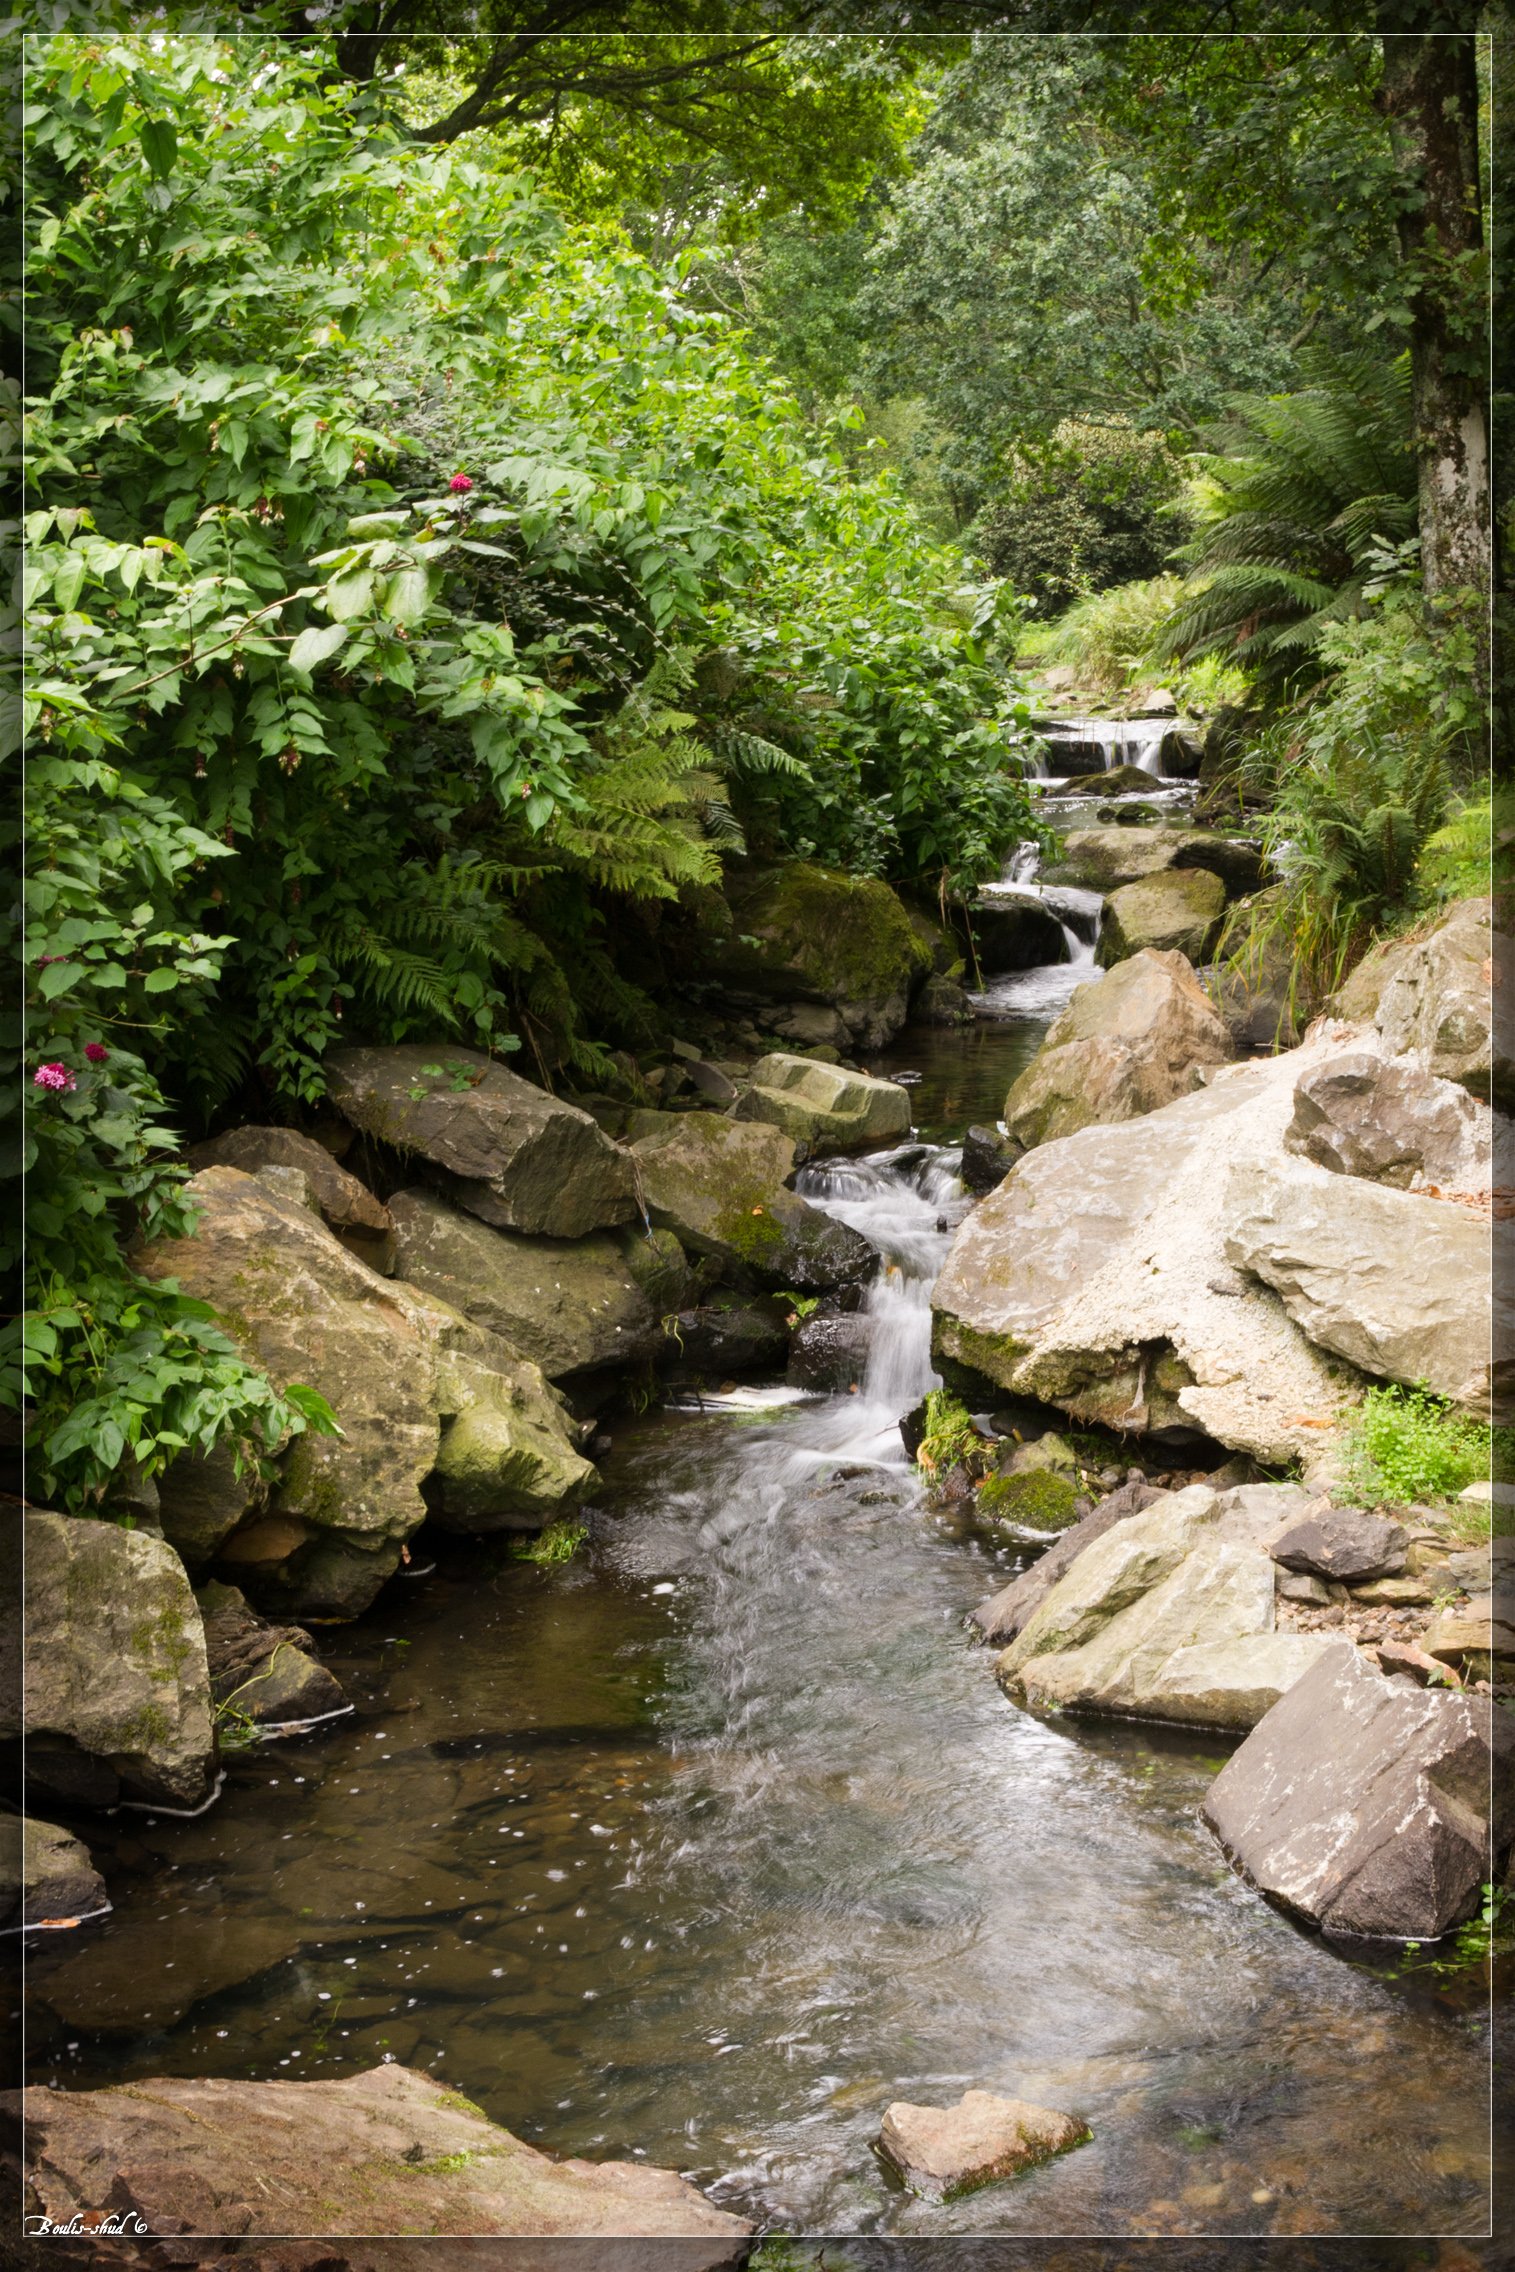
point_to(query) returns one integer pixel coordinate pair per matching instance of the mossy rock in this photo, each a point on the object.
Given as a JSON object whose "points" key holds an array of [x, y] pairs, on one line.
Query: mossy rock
{"points": [[1037, 1504], [806, 933]]}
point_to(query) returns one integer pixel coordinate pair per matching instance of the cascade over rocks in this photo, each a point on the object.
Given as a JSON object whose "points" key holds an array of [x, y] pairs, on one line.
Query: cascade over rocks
{"points": [[116, 1698], [1177, 909], [824, 1108], [1362, 1804], [718, 1186], [1168, 1616], [797, 932], [1095, 1278], [1432, 998], [387, 2151], [346, 1206], [568, 1305], [508, 1152], [1396, 1283], [1126, 1044]]}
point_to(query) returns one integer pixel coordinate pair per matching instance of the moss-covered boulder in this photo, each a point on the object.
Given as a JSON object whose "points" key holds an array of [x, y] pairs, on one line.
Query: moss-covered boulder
{"points": [[824, 1108], [718, 1185], [508, 1458], [567, 1305], [1033, 1505], [116, 1696], [1176, 911], [803, 933], [506, 1150]]}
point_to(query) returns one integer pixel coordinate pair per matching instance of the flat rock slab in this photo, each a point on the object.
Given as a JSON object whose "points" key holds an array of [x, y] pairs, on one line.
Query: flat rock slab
{"points": [[388, 2151], [507, 1151], [1344, 1543], [823, 1106], [1361, 1803], [941, 2151]]}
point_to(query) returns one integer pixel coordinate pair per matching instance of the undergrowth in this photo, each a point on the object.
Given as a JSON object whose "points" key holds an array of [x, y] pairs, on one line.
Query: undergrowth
{"points": [[559, 1542], [1404, 1444]]}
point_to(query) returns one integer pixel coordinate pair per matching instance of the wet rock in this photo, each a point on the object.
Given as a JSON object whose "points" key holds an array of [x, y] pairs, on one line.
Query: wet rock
{"points": [[798, 932], [1016, 931], [1177, 910], [718, 1185], [830, 1353], [307, 1310], [987, 1159], [943, 2151], [1180, 755], [509, 1456], [1396, 1283], [1004, 1614], [1391, 1122], [942, 1002], [1101, 859], [731, 1333], [1361, 1803], [117, 1694], [1127, 1044], [1433, 998], [568, 1305], [1086, 1279], [1169, 1616], [46, 1874], [823, 1107], [503, 1149], [1237, 860], [266, 1673], [1026, 1507], [390, 2151], [1344, 1543], [346, 1206]]}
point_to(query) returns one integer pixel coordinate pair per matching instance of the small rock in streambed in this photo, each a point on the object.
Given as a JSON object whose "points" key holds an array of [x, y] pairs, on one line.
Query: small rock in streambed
{"points": [[944, 2151], [46, 1875], [264, 1673], [1403, 1660], [1343, 1543]]}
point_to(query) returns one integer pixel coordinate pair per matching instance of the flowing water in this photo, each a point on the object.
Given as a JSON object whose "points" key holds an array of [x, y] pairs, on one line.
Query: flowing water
{"points": [[706, 1848]]}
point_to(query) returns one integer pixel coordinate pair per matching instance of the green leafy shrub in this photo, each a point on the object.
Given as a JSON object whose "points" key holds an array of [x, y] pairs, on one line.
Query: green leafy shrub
{"points": [[1039, 1500], [1091, 509], [1404, 1444], [1112, 638]]}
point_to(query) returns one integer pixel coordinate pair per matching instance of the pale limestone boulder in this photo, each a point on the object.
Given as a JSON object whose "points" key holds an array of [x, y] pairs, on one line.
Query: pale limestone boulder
{"points": [[1168, 1616], [1361, 1803], [1095, 1278], [116, 1697], [506, 1150], [387, 2151], [944, 2151], [1127, 1044], [822, 1107], [718, 1186], [1102, 859], [1398, 1284], [1433, 998], [1176, 910], [1390, 1121]]}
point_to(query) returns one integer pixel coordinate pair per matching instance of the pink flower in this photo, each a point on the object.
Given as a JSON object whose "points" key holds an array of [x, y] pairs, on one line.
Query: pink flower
{"points": [[96, 1052], [54, 1076], [460, 485]]}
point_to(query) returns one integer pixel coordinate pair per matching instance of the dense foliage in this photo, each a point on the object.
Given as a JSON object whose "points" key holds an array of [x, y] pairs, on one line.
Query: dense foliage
{"points": [[1094, 507], [378, 525]]}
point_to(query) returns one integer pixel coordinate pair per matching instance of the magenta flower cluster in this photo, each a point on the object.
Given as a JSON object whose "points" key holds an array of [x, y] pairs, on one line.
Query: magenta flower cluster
{"points": [[460, 485], [96, 1052], [54, 1076]]}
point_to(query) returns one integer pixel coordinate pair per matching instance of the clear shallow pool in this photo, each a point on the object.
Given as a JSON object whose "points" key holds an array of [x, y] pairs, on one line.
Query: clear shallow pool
{"points": [[708, 1847]]}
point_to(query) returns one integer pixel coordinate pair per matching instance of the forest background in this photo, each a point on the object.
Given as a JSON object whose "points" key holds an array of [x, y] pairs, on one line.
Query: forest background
{"points": [[479, 488]]}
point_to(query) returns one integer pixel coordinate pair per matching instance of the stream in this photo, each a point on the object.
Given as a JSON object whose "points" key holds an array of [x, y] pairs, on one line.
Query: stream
{"points": [[705, 1847]]}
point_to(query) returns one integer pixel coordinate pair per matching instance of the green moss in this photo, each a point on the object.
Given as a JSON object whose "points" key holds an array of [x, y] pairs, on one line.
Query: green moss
{"points": [[753, 1234], [995, 1355], [850, 934], [1038, 1500]]}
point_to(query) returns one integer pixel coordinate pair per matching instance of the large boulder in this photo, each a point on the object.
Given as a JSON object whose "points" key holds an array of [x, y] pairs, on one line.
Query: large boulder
{"points": [[1362, 1803], [386, 2151], [46, 1875], [305, 1309], [116, 1697], [1396, 1283], [1015, 930], [823, 1108], [509, 1456], [346, 1206], [1005, 1613], [1101, 859], [1432, 997], [718, 1186], [1126, 1044], [507, 1151], [1392, 1122], [1179, 909], [568, 1305], [1095, 1278], [1169, 1616], [801, 933]]}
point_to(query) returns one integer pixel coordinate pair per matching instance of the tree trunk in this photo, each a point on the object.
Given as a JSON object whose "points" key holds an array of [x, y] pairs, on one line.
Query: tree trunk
{"points": [[1430, 93]]}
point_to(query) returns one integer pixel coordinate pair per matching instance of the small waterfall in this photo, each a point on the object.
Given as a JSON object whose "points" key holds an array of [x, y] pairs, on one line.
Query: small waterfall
{"points": [[1114, 741]]}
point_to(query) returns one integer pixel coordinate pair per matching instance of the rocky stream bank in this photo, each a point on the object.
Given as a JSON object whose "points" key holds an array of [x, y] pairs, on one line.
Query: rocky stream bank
{"points": [[1157, 1281]]}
